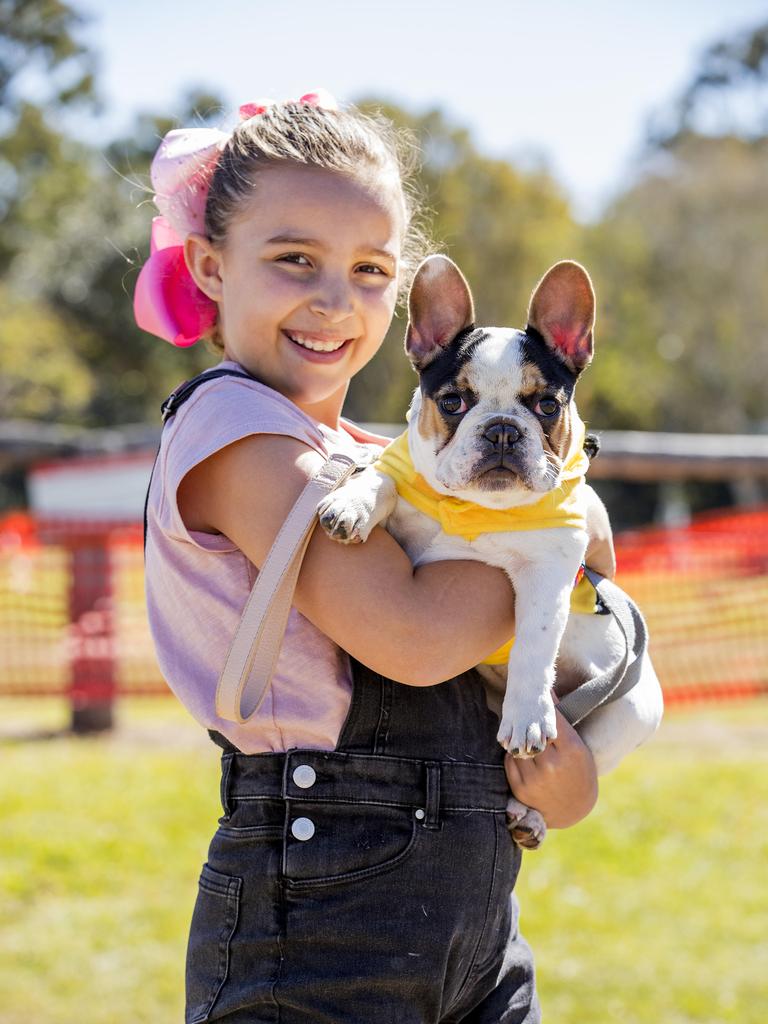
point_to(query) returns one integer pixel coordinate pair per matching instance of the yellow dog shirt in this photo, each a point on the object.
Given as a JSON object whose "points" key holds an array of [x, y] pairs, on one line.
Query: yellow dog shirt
{"points": [[561, 506]]}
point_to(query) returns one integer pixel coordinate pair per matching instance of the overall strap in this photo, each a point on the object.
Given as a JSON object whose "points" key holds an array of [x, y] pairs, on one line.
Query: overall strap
{"points": [[614, 683], [176, 399], [184, 391]]}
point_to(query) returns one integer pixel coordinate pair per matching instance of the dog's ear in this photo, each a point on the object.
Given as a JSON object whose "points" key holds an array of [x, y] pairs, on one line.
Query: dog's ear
{"points": [[439, 307], [562, 310]]}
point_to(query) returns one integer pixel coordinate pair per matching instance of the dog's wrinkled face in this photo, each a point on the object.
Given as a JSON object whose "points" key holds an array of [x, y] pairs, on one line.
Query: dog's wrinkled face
{"points": [[493, 419]]}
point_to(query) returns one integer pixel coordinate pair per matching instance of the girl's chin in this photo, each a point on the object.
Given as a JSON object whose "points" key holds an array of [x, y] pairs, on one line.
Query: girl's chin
{"points": [[306, 393]]}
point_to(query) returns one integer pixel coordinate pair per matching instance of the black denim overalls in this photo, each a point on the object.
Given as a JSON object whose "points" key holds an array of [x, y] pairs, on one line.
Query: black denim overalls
{"points": [[367, 885], [371, 884]]}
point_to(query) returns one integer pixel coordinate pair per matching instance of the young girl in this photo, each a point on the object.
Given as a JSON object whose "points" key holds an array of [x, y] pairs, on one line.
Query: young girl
{"points": [[362, 870]]}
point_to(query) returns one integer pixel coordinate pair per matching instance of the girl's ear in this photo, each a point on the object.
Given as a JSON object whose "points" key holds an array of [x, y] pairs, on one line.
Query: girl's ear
{"points": [[439, 307], [204, 263], [562, 310]]}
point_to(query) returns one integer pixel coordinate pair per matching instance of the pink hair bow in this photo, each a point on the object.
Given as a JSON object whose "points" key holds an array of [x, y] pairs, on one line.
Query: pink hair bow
{"points": [[317, 98], [167, 302]]}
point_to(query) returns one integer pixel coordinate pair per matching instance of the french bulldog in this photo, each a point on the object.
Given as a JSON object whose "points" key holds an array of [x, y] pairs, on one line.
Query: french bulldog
{"points": [[492, 468]]}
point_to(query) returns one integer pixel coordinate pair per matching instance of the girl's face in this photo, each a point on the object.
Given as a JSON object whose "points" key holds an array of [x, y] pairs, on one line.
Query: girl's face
{"points": [[306, 281]]}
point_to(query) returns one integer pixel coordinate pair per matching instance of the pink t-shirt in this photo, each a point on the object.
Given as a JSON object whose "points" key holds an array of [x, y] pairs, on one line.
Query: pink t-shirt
{"points": [[197, 583]]}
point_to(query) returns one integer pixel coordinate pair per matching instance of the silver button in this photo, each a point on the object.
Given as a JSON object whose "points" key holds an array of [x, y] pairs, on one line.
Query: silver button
{"points": [[420, 813], [304, 776], [303, 829]]}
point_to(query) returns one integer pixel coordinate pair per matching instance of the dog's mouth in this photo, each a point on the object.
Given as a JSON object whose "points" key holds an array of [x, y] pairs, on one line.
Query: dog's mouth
{"points": [[499, 478], [500, 471]]}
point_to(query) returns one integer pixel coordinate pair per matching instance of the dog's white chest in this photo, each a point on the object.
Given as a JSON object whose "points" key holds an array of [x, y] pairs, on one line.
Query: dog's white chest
{"points": [[424, 540]]}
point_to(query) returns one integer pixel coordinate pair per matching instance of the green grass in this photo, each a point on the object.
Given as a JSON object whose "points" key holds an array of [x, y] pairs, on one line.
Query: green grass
{"points": [[653, 910]]}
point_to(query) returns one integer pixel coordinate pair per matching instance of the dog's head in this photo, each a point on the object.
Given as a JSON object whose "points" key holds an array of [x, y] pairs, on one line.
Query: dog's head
{"points": [[493, 418]]}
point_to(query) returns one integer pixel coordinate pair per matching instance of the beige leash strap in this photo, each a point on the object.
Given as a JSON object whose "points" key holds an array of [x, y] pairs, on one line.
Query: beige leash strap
{"points": [[255, 647]]}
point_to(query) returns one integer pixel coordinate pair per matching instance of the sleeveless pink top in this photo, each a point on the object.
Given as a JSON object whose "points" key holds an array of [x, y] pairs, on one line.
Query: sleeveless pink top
{"points": [[197, 583]]}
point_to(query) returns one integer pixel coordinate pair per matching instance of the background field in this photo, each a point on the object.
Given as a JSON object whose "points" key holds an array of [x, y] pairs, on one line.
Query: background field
{"points": [[653, 910]]}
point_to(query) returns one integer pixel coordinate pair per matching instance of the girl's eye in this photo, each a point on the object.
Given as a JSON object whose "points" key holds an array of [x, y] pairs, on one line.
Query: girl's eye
{"points": [[295, 257], [452, 404], [371, 268], [547, 407]]}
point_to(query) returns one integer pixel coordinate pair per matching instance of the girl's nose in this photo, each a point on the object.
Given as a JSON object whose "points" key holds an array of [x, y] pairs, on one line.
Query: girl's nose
{"points": [[333, 301]]}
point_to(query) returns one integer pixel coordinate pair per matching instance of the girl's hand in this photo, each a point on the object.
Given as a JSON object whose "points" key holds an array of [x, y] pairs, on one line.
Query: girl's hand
{"points": [[561, 783]]}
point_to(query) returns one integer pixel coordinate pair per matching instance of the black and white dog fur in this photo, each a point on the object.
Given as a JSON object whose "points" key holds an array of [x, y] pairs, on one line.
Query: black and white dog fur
{"points": [[491, 422]]}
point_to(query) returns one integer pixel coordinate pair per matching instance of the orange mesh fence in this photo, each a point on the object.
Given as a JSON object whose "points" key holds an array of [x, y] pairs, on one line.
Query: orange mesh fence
{"points": [[73, 619], [704, 591]]}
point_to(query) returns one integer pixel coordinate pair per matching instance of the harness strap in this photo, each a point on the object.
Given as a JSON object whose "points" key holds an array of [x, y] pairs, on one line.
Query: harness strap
{"points": [[618, 680]]}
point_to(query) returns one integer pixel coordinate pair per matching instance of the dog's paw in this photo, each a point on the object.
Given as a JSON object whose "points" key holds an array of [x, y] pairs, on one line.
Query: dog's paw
{"points": [[345, 517], [526, 730], [525, 825]]}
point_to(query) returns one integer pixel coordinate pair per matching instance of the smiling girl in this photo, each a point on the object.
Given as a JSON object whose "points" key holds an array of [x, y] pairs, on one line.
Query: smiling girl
{"points": [[362, 870]]}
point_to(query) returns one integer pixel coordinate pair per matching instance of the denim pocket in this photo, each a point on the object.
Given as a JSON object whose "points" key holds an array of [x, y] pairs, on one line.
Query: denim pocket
{"points": [[213, 924], [348, 842]]}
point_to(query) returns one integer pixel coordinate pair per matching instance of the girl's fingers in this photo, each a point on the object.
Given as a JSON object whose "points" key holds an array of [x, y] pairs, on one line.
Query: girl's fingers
{"points": [[514, 774]]}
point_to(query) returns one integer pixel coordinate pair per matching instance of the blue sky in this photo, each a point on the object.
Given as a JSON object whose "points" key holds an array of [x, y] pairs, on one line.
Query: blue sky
{"points": [[570, 83]]}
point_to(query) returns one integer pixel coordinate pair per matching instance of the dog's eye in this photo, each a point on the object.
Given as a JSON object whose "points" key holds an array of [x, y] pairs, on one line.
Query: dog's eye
{"points": [[452, 404], [547, 407]]}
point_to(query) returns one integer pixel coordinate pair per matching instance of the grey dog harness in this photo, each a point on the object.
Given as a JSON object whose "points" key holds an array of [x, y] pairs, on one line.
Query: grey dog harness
{"points": [[618, 680]]}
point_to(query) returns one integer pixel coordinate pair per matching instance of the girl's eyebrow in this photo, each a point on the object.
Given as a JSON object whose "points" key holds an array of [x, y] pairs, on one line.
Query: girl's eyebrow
{"points": [[313, 243], [295, 240], [385, 254]]}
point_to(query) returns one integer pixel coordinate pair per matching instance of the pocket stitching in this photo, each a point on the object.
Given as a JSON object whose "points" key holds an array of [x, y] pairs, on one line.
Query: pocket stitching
{"points": [[250, 831], [319, 881], [228, 888]]}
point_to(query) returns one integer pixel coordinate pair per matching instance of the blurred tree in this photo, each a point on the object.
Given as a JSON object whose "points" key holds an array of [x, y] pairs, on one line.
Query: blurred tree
{"points": [[681, 263], [42, 376], [38, 42], [727, 94], [107, 236], [680, 260], [76, 231]]}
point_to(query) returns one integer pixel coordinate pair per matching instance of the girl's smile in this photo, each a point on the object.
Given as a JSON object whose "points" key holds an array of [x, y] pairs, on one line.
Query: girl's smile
{"points": [[317, 342], [306, 281]]}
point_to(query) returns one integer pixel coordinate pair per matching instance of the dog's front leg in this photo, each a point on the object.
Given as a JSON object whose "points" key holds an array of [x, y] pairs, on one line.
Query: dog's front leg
{"points": [[542, 602], [349, 513]]}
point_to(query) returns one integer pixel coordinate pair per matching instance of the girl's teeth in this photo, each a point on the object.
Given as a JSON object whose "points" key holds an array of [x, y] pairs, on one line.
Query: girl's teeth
{"points": [[315, 346]]}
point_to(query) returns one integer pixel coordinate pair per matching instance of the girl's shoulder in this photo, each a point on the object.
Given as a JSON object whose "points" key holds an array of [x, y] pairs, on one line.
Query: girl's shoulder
{"points": [[230, 407], [221, 412], [216, 415]]}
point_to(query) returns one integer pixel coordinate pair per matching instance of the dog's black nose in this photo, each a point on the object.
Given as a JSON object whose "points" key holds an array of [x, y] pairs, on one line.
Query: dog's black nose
{"points": [[501, 434]]}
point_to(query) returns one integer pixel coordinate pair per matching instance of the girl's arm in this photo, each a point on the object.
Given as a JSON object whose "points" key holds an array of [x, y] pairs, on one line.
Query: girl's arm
{"points": [[416, 626]]}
